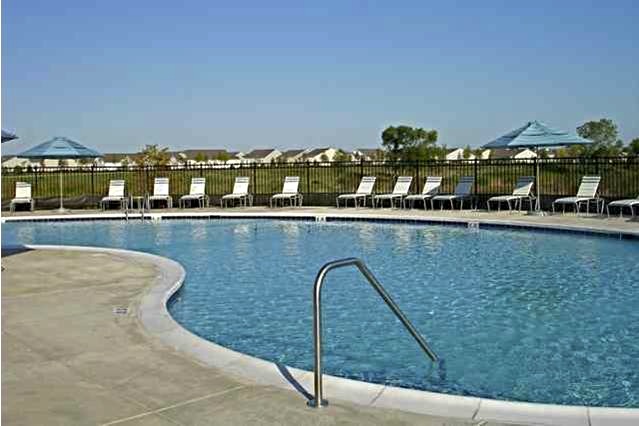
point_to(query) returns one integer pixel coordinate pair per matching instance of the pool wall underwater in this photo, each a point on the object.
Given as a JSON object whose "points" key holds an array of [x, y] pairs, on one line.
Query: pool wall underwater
{"points": [[154, 316]]}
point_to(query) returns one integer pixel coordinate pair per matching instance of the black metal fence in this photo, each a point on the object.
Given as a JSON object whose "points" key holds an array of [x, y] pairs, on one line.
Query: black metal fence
{"points": [[321, 182]]}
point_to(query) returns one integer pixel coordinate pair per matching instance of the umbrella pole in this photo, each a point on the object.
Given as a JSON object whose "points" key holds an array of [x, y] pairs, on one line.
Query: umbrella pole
{"points": [[538, 211], [61, 209]]}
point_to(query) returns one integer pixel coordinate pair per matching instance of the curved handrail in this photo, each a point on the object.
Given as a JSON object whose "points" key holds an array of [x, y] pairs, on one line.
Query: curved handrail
{"points": [[318, 400]]}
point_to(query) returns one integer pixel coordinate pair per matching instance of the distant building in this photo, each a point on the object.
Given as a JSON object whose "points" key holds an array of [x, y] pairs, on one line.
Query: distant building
{"points": [[514, 154], [10, 162], [263, 156], [320, 155], [116, 159], [368, 154], [454, 154], [292, 155]]}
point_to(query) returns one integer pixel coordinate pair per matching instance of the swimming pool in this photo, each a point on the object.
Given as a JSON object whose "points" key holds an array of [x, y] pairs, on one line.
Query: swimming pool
{"points": [[515, 315]]}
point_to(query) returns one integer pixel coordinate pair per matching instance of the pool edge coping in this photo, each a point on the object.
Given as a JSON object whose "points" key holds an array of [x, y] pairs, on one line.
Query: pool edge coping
{"points": [[155, 319], [362, 215]]}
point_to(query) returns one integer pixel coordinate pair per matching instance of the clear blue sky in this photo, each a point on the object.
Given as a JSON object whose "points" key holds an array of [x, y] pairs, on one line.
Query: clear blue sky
{"points": [[116, 75]]}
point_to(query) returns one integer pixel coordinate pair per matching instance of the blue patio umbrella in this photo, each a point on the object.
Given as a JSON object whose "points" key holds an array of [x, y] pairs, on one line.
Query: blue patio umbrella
{"points": [[537, 135], [6, 136], [60, 148]]}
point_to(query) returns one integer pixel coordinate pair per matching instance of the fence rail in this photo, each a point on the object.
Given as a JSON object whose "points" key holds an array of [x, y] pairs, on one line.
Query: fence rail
{"points": [[321, 182]]}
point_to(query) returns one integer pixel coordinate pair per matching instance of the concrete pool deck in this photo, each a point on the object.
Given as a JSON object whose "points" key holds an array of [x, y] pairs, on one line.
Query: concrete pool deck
{"points": [[491, 410], [71, 355]]}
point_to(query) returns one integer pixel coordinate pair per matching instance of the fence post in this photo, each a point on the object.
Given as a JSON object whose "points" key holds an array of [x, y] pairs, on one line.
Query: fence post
{"points": [[255, 188], [476, 174], [308, 178], [92, 179], [417, 189]]}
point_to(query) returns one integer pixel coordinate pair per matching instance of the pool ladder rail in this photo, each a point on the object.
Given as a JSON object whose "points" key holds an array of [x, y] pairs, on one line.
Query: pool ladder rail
{"points": [[318, 400]]}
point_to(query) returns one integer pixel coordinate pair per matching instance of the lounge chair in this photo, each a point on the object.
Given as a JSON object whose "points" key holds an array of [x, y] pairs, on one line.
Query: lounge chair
{"points": [[197, 192], [289, 192], [364, 191], [240, 193], [588, 192], [160, 192], [116, 195], [23, 196], [402, 186], [463, 191], [631, 203], [522, 191], [431, 188]]}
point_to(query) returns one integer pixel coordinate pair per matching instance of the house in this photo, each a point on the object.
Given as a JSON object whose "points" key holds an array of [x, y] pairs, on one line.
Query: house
{"points": [[513, 154], [320, 155], [292, 155], [10, 162], [368, 154], [263, 156], [458, 154], [206, 155], [116, 159]]}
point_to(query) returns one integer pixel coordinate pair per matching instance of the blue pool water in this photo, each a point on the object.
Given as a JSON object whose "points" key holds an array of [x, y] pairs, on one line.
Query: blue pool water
{"points": [[515, 315]]}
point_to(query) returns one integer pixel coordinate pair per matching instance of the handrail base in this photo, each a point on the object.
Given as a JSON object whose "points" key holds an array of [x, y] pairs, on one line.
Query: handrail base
{"points": [[313, 403]]}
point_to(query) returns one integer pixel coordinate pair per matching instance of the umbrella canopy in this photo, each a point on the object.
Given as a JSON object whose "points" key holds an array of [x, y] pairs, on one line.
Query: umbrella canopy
{"points": [[59, 147], [535, 135], [6, 136]]}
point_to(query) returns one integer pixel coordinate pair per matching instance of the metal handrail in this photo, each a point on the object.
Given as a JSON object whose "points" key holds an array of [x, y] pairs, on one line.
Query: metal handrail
{"points": [[318, 400]]}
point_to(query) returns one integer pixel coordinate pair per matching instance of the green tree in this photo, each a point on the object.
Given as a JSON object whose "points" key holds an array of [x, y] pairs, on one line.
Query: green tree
{"points": [[152, 155], [223, 156], [408, 143], [324, 158], [633, 147], [604, 135], [200, 157], [341, 156], [467, 152]]}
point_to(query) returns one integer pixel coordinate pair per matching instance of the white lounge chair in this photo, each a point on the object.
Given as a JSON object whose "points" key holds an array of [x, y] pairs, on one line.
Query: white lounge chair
{"points": [[631, 203], [289, 192], [197, 192], [588, 192], [522, 191], [240, 193], [160, 192], [364, 191], [23, 196], [463, 191], [116, 195], [402, 186], [431, 188]]}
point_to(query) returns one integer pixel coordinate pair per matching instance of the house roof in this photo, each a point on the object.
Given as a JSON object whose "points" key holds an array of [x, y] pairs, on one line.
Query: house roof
{"points": [[292, 153], [501, 153], [208, 153], [315, 152], [114, 157], [259, 153]]}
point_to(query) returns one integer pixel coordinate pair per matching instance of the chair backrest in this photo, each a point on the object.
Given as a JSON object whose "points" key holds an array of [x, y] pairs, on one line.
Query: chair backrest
{"points": [[290, 185], [524, 186], [465, 185], [589, 187], [240, 187], [366, 185], [432, 185], [402, 186], [116, 188], [23, 190], [161, 186], [198, 186]]}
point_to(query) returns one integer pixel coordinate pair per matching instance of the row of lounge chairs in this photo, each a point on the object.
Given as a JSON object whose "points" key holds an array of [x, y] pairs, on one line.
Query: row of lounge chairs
{"points": [[587, 194]]}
